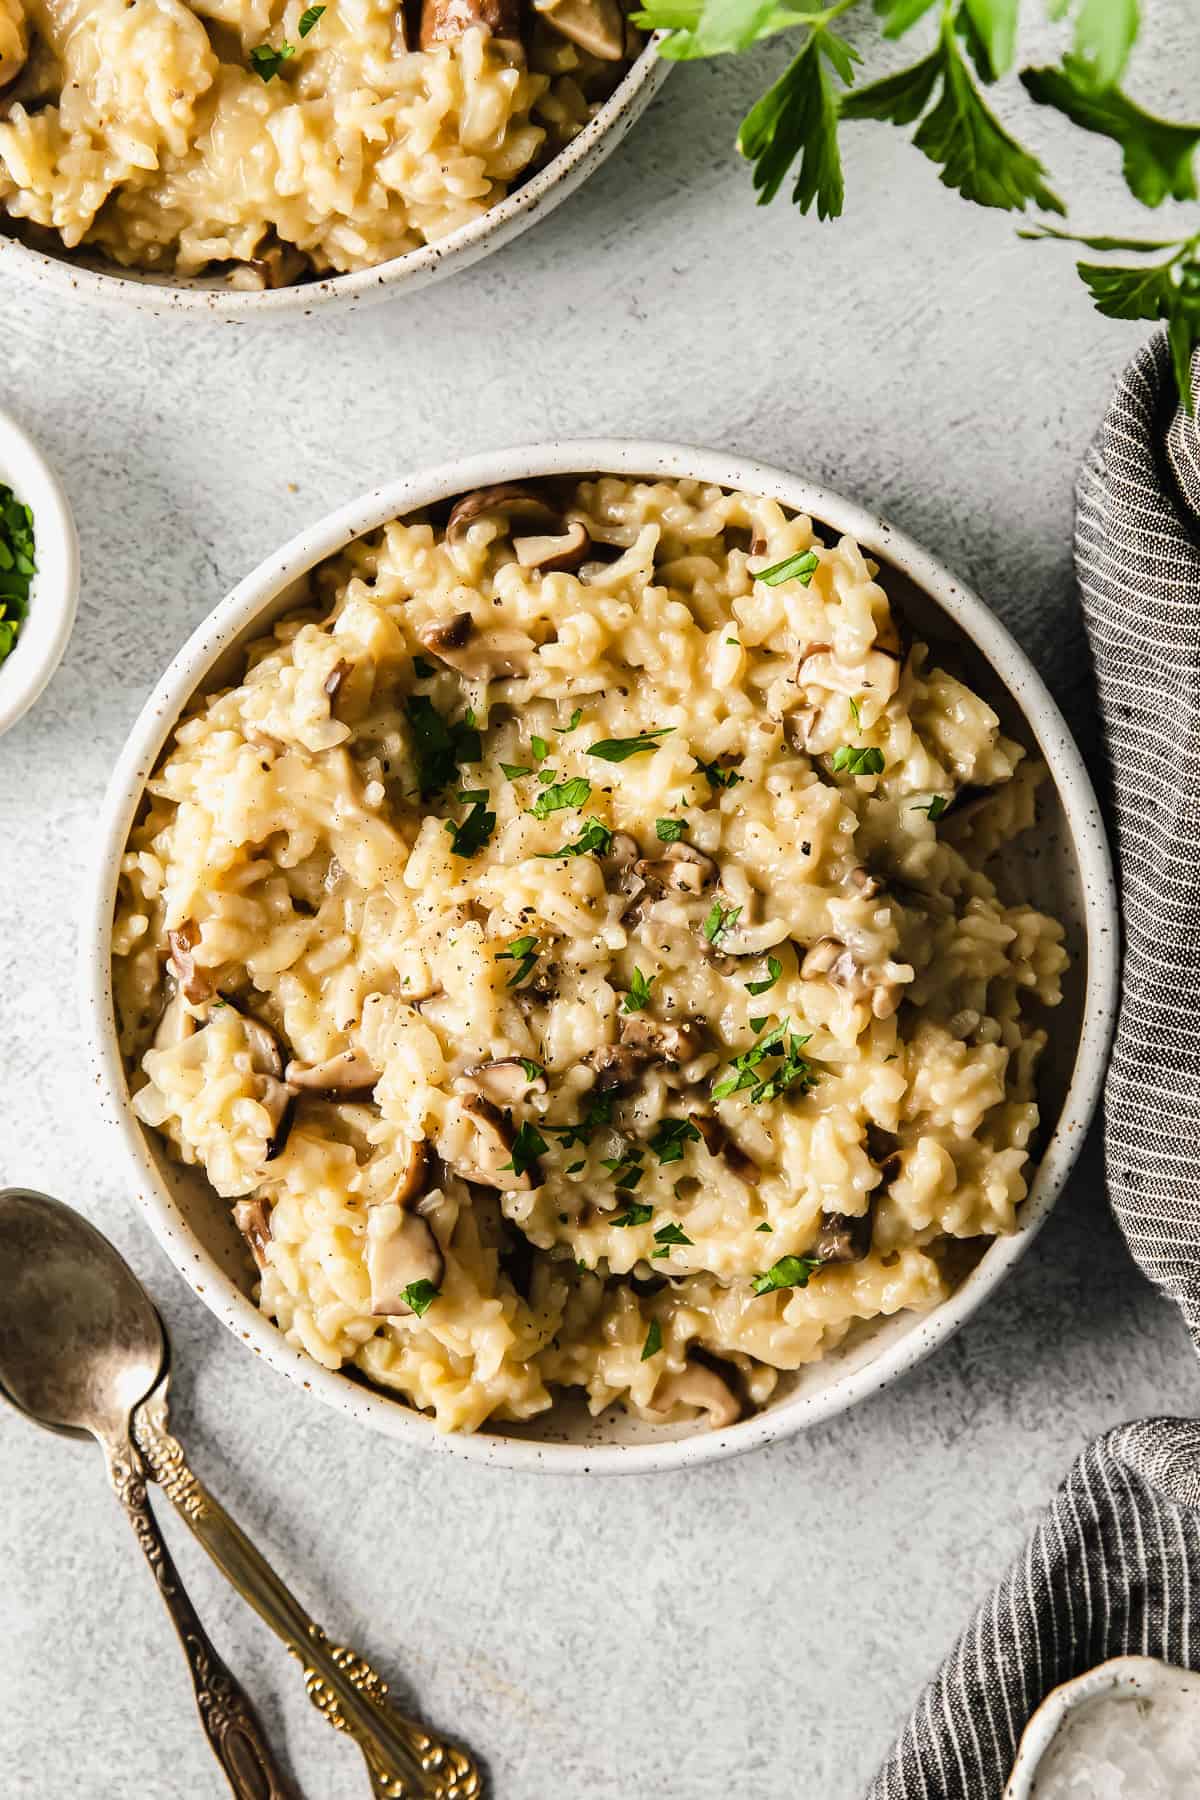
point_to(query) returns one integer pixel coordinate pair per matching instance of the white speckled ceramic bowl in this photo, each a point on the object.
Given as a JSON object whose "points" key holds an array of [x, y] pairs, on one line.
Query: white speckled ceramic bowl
{"points": [[54, 592], [78, 277], [1066, 868], [1140, 1679]]}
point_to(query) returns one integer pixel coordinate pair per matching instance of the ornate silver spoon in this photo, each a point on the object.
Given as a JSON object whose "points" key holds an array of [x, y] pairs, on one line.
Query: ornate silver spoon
{"points": [[83, 1351]]}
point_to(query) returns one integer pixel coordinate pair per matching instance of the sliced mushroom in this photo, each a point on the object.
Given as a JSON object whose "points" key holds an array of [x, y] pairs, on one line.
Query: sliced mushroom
{"points": [[175, 1024], [597, 26], [413, 1178], [867, 884], [350, 1075], [401, 1250], [718, 1142], [660, 1042], [681, 866], [277, 264], [253, 1220], [829, 956], [503, 1082], [443, 21], [197, 986], [557, 551], [622, 853], [615, 1065], [266, 1056], [843, 1238], [509, 498], [479, 655], [699, 1386], [877, 673], [332, 684], [494, 1139], [798, 727], [280, 1103]]}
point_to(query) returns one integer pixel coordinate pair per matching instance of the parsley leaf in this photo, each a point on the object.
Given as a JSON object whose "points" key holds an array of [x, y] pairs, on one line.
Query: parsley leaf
{"points": [[1104, 35], [653, 1343], [309, 18], [564, 796], [788, 1272], [764, 1227], [720, 919], [595, 839], [669, 831], [774, 971], [801, 567], [533, 1071], [267, 61], [528, 1145], [671, 1234], [540, 748], [794, 1070], [599, 1113], [857, 759], [419, 1296], [1157, 155], [796, 122], [667, 1144], [524, 952], [572, 723], [619, 750], [514, 771], [933, 809], [421, 669], [719, 777], [634, 1214], [638, 997], [469, 837], [437, 747]]}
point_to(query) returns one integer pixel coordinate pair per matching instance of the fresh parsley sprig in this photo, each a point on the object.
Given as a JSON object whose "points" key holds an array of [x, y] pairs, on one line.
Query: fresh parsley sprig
{"points": [[792, 132]]}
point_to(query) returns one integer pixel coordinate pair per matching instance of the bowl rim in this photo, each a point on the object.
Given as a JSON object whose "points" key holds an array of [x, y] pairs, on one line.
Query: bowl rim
{"points": [[54, 595], [253, 595], [1126, 1674], [431, 262]]}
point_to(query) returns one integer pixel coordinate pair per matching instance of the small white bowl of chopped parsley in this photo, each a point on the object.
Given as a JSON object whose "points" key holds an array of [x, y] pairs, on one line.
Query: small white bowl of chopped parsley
{"points": [[39, 572]]}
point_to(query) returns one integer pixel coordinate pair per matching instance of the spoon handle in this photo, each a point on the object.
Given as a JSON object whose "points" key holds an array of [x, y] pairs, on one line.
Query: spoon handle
{"points": [[405, 1760], [234, 1733]]}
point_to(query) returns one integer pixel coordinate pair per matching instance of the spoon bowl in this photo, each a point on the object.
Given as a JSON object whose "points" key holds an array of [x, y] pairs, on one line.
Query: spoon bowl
{"points": [[80, 1342]]}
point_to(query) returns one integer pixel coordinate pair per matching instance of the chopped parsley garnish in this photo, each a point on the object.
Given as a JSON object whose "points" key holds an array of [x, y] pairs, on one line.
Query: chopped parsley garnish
{"points": [[540, 748], [467, 795], [17, 566], [634, 1214], [719, 777], [756, 1024], [788, 1272], [638, 997], [563, 796], [308, 18], [438, 748], [857, 759], [671, 1234], [794, 1070], [669, 831], [574, 1168], [469, 837], [598, 1113], [423, 670], [933, 809], [514, 771], [266, 61], [572, 723], [533, 1071], [594, 839], [667, 1144], [419, 1296], [720, 920], [855, 714], [524, 952], [653, 1343], [764, 1227], [528, 1145], [619, 750], [801, 567], [774, 971]]}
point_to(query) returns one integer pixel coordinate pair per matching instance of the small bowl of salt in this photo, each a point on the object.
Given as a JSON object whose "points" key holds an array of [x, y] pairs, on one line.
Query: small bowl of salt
{"points": [[1127, 1730]]}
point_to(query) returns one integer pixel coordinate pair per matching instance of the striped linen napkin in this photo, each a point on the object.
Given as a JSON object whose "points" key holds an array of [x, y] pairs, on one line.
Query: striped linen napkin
{"points": [[1114, 1564]]}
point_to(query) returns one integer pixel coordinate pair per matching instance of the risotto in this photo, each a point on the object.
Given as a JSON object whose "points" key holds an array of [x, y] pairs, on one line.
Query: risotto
{"points": [[569, 950], [275, 139]]}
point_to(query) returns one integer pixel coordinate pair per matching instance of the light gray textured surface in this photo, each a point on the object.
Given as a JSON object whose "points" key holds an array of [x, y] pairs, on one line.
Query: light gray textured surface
{"points": [[759, 1627]]}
